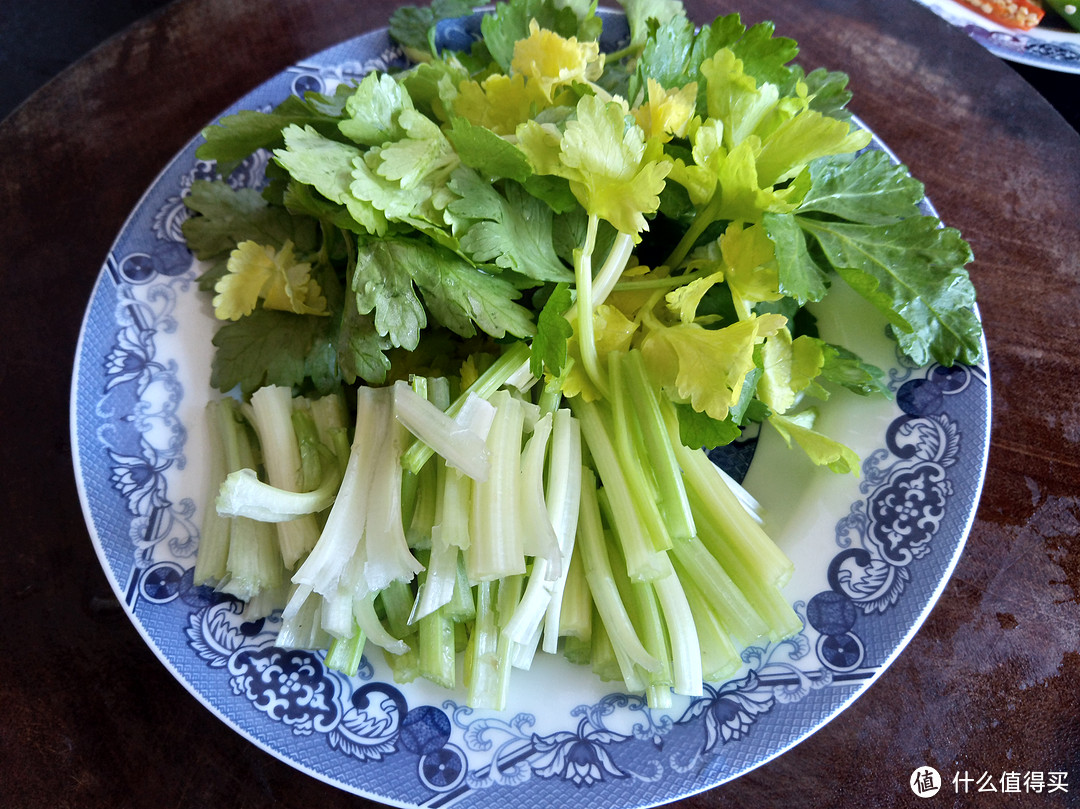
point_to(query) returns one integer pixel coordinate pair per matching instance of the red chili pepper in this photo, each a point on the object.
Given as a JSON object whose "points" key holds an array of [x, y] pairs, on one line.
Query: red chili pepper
{"points": [[1021, 14]]}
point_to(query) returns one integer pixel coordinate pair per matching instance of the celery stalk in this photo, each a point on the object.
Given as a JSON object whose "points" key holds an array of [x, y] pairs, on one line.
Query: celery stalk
{"points": [[210, 562], [674, 505], [603, 586], [485, 385], [271, 411], [496, 548], [643, 560], [720, 590], [345, 654]]}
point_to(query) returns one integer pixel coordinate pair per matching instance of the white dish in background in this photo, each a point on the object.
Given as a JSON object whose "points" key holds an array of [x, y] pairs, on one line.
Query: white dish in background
{"points": [[872, 555], [1042, 46]]}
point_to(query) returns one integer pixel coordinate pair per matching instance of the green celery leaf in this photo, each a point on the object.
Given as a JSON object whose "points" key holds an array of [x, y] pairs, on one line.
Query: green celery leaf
{"points": [[843, 367], [702, 431], [373, 110], [513, 231], [327, 166], [870, 188], [361, 350], [675, 51], [553, 330], [801, 276], [483, 150], [225, 216], [270, 347], [764, 55], [829, 92], [456, 293], [237, 136], [913, 272]]}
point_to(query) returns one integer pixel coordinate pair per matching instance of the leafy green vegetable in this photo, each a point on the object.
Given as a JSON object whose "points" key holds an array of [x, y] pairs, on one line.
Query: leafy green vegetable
{"points": [[544, 278]]}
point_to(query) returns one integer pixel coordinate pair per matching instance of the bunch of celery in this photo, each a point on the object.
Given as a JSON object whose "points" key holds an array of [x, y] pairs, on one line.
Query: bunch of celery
{"points": [[489, 308]]}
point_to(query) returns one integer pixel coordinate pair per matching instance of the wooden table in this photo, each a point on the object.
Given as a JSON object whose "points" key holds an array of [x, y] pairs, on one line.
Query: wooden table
{"points": [[989, 684]]}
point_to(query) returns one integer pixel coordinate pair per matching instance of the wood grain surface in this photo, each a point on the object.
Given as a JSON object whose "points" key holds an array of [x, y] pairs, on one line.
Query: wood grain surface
{"points": [[91, 718]]}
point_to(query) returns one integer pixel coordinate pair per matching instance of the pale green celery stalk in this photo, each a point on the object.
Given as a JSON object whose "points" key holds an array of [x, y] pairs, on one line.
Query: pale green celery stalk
{"points": [[396, 600], [719, 656], [577, 650], [738, 613], [534, 523], [271, 413], [266, 602], [337, 617], [644, 562], [461, 447], [539, 542], [631, 452], [507, 598], [712, 499], [759, 588], [647, 620], [254, 559], [485, 385], [420, 499], [435, 642], [461, 607], [682, 633], [610, 273], [603, 586], [405, 667], [340, 538], [453, 526], [303, 628], [496, 549], [345, 654], [583, 284], [576, 609], [604, 662], [674, 505], [386, 550], [368, 622], [210, 562], [242, 494], [563, 497], [482, 675], [308, 444]]}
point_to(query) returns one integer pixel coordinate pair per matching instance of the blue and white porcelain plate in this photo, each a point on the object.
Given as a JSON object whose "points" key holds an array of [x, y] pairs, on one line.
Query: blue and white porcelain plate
{"points": [[1043, 46], [872, 554]]}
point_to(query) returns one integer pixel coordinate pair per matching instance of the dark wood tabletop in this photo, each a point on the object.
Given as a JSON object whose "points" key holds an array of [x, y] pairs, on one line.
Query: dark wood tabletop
{"points": [[989, 684]]}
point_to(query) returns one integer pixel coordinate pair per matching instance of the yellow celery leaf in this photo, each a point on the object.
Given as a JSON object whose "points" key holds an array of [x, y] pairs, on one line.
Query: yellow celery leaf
{"points": [[257, 271], [500, 102], [706, 367], [750, 266], [554, 61], [788, 368], [683, 301], [613, 331], [603, 158], [668, 112], [822, 450]]}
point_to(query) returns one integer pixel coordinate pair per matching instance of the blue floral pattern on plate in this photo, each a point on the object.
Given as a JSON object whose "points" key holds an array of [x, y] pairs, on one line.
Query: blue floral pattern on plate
{"points": [[1051, 48], [141, 381]]}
